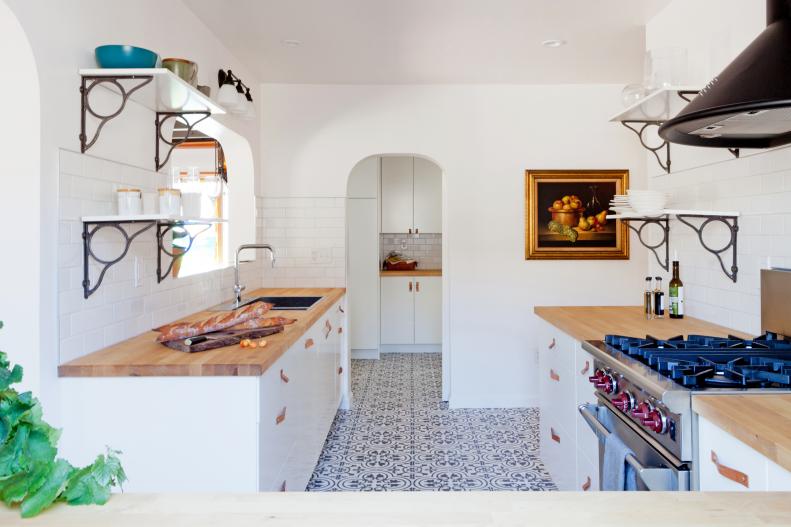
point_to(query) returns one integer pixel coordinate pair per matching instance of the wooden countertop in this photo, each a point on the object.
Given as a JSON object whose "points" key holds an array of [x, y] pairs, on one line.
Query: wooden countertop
{"points": [[761, 420], [427, 509], [143, 356], [416, 272], [592, 323]]}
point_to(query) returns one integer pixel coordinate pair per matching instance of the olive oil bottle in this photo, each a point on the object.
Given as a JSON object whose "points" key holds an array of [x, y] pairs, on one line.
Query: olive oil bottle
{"points": [[676, 294]]}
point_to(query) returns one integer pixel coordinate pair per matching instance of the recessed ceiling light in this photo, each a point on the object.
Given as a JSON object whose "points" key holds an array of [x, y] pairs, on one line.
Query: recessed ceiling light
{"points": [[553, 43], [290, 43]]}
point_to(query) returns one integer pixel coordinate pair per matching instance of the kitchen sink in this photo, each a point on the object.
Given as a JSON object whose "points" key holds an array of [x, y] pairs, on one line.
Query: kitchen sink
{"points": [[280, 303]]}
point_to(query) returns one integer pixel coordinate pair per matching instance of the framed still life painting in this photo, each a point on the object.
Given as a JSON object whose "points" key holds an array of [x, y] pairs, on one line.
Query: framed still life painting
{"points": [[565, 215]]}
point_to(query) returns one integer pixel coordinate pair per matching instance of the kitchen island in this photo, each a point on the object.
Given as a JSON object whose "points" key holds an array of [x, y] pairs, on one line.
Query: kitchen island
{"points": [[225, 420], [428, 509]]}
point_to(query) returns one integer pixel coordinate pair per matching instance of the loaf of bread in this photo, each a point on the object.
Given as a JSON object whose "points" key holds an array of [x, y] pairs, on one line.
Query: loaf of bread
{"points": [[261, 323], [218, 322]]}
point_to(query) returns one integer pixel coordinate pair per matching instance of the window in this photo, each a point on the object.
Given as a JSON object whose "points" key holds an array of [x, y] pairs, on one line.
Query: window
{"points": [[198, 167]]}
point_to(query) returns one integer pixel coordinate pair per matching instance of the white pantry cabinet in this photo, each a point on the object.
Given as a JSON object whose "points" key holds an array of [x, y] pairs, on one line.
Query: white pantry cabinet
{"points": [[569, 450], [411, 191], [428, 197], [363, 276], [411, 311], [397, 194], [727, 464]]}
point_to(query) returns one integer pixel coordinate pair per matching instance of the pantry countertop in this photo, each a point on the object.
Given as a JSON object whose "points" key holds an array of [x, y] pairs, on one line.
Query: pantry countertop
{"points": [[592, 323], [427, 509], [142, 356]]}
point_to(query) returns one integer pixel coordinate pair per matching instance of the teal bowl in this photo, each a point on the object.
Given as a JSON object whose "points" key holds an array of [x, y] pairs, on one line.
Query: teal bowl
{"points": [[118, 56]]}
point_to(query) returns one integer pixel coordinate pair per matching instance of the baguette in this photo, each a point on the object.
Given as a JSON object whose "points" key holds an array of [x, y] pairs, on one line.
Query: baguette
{"points": [[261, 323], [218, 322]]}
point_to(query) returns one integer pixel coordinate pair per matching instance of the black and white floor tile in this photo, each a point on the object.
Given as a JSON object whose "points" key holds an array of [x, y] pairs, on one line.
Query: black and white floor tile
{"points": [[400, 436]]}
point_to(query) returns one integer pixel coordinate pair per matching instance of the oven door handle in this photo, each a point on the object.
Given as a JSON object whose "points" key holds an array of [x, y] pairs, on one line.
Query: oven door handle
{"points": [[655, 479]]}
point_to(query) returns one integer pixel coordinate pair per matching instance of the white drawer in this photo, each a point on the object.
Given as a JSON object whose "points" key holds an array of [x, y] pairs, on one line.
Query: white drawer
{"points": [[736, 460], [778, 478], [587, 476], [583, 368], [557, 452], [560, 392], [277, 409]]}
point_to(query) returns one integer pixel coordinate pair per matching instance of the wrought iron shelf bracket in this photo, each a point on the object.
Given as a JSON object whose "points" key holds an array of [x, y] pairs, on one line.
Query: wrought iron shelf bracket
{"points": [[160, 122], [89, 230], [639, 128], [664, 224], [731, 222], [162, 230], [88, 83]]}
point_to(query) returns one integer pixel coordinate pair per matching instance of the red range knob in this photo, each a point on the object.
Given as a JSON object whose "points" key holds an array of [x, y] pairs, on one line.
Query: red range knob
{"points": [[656, 421], [642, 410], [596, 377], [608, 384], [624, 401]]}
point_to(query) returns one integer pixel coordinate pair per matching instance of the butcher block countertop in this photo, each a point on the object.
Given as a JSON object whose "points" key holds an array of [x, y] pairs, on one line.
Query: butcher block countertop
{"points": [[592, 323], [416, 272], [426, 509], [760, 420], [143, 356]]}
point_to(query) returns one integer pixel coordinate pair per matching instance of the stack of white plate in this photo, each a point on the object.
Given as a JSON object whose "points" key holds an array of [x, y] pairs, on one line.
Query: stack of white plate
{"points": [[645, 201], [620, 204]]}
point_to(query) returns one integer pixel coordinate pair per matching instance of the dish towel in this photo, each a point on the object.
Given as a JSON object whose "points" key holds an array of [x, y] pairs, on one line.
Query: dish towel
{"points": [[617, 474]]}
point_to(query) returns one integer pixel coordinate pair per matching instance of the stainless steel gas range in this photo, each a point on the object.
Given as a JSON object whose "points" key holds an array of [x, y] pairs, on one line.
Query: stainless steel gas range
{"points": [[645, 387]]}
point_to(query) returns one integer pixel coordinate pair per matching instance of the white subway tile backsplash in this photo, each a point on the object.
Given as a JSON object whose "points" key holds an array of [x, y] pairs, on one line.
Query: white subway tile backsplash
{"points": [[759, 187], [118, 310]]}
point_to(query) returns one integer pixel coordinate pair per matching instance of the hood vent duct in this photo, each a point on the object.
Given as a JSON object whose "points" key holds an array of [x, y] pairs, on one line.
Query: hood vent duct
{"points": [[748, 105]]}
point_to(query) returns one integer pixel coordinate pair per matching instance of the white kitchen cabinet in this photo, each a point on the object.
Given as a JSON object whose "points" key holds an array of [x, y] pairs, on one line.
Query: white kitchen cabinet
{"points": [[397, 310], [363, 281], [737, 468], [428, 309], [427, 197], [411, 310], [397, 190], [735, 465], [569, 449], [411, 195]]}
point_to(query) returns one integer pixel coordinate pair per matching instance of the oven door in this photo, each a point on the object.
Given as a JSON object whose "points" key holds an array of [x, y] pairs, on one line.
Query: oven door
{"points": [[654, 471]]}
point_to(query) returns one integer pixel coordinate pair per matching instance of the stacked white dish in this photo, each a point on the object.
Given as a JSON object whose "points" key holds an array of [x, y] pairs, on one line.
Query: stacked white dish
{"points": [[647, 201], [620, 204]]}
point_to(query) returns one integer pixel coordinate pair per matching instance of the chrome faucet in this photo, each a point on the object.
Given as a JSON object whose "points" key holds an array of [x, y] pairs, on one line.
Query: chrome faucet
{"points": [[237, 287]]}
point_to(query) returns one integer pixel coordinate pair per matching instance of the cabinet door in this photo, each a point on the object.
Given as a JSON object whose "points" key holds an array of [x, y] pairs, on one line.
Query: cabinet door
{"points": [[428, 310], [428, 197], [397, 310], [735, 465], [397, 194], [364, 273]]}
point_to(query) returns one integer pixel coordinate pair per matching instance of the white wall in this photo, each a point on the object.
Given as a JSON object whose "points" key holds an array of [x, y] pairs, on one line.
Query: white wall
{"points": [[483, 137], [758, 185], [63, 36], [19, 206]]}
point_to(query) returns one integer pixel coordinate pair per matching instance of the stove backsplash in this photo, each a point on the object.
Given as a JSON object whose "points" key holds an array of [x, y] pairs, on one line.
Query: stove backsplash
{"points": [[425, 248]]}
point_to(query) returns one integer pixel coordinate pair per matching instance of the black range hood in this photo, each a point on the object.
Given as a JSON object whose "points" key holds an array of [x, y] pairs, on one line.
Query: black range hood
{"points": [[748, 105]]}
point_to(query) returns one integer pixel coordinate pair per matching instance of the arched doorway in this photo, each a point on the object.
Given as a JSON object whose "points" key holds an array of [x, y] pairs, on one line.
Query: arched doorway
{"points": [[395, 214], [20, 275]]}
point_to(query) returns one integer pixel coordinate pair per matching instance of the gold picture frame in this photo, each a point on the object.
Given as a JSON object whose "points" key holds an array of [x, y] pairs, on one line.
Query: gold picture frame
{"points": [[583, 194]]}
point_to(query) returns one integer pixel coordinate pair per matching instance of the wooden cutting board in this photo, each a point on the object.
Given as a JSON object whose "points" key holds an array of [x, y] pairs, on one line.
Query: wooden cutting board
{"points": [[220, 339]]}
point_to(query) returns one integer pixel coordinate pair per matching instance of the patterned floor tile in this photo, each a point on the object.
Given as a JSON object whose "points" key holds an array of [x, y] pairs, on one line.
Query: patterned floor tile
{"points": [[400, 436]]}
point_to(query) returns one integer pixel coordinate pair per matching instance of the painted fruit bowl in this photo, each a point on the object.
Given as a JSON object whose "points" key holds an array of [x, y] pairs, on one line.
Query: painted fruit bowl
{"points": [[567, 217]]}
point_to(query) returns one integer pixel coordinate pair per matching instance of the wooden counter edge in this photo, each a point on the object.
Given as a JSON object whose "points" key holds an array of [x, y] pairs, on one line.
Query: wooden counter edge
{"points": [[719, 410], [416, 272]]}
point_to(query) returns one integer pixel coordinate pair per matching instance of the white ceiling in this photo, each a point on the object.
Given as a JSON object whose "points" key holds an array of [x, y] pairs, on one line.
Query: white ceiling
{"points": [[434, 41]]}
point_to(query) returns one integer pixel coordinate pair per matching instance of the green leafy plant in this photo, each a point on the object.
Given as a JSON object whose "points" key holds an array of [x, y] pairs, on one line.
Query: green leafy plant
{"points": [[31, 474]]}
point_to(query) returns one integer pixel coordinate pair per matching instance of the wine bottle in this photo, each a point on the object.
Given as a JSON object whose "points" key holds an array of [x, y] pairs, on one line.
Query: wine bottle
{"points": [[659, 299], [648, 299], [676, 293]]}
